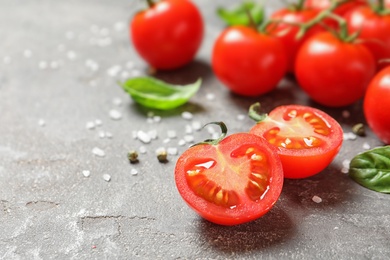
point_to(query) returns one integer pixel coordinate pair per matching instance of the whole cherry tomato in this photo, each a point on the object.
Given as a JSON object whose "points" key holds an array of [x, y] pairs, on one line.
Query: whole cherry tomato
{"points": [[232, 180], [168, 34], [374, 31], [334, 72], [376, 105], [248, 62], [307, 139], [340, 10], [286, 30]]}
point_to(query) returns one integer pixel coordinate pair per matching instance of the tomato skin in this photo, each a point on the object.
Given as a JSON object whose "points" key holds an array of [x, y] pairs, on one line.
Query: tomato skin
{"points": [[304, 161], [287, 33], [168, 34], [374, 31], [245, 211], [376, 106], [249, 63], [332, 72], [341, 10]]}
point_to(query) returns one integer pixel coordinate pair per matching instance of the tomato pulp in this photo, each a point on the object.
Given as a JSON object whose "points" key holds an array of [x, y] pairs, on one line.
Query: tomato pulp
{"points": [[249, 63], [232, 182], [307, 139], [168, 34], [376, 105]]}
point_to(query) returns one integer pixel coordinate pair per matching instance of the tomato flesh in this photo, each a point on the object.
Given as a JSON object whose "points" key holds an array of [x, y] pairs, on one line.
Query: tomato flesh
{"points": [[234, 182], [307, 139]]}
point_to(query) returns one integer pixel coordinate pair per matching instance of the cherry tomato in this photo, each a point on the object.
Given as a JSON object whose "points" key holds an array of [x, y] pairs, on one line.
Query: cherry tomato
{"points": [[168, 34], [376, 105], [248, 62], [333, 72], [374, 31], [340, 10], [287, 32], [232, 182], [307, 139]]}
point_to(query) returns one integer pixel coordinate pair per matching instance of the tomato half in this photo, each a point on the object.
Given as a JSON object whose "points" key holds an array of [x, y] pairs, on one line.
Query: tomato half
{"points": [[307, 139], [248, 62], [376, 105], [374, 31], [333, 72], [168, 34], [232, 182]]}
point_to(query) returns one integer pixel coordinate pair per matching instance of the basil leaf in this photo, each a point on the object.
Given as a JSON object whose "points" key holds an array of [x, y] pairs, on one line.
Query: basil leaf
{"points": [[239, 14], [154, 93], [371, 169]]}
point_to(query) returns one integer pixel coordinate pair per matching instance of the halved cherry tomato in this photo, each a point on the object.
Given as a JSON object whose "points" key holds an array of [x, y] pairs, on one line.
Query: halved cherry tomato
{"points": [[248, 62], [374, 31], [307, 139], [168, 34], [234, 181], [376, 105]]}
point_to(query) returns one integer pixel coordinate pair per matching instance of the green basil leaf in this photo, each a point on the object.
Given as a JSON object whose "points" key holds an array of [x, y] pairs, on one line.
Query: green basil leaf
{"points": [[154, 93], [239, 14], [371, 169]]}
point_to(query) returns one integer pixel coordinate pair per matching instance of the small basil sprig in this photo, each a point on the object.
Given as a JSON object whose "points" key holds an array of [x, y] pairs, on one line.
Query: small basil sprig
{"points": [[371, 169], [157, 94], [239, 14]]}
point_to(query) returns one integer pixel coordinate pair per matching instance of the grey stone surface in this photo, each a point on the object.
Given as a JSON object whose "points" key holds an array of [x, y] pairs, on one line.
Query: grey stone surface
{"points": [[59, 64]]}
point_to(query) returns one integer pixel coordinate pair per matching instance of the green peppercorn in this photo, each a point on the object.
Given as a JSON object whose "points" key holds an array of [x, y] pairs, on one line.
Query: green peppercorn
{"points": [[359, 130], [132, 156], [162, 156]]}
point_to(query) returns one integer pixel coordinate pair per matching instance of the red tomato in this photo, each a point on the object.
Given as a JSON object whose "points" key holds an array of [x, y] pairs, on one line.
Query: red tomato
{"points": [[249, 63], [307, 139], [341, 10], [168, 34], [376, 105], [374, 31], [232, 182], [333, 72], [287, 33]]}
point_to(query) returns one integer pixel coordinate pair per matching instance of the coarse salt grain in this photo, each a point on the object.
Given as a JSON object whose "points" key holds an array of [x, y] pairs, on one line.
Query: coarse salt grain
{"points": [[109, 135], [115, 114], [349, 136], [210, 96], [27, 53], [86, 173], [241, 117], [366, 146], [133, 171], [172, 151], [181, 142], [142, 149], [171, 134], [117, 101], [98, 152], [98, 122], [144, 137], [188, 129], [107, 177], [188, 138], [42, 65], [102, 134], [153, 134], [71, 55], [90, 125], [316, 199], [166, 140], [157, 119], [187, 115], [41, 122], [114, 70], [196, 125]]}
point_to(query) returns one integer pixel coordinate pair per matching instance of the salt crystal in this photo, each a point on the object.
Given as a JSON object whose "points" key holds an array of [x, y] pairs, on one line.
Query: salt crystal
{"points": [[172, 151], [149, 120], [108, 135], [134, 134], [316, 199], [187, 115], [349, 136], [119, 26], [135, 73], [106, 177], [188, 129], [41, 122], [98, 122], [366, 146], [117, 101], [160, 150], [42, 65], [215, 135], [125, 74], [27, 53], [144, 137], [166, 140], [171, 134], [86, 173], [241, 117], [102, 134], [130, 65], [157, 119], [181, 142], [142, 149], [54, 65], [115, 114], [71, 55], [153, 134], [92, 65], [114, 70], [345, 170], [104, 42], [90, 125], [210, 96], [98, 152], [188, 138], [133, 171], [196, 125]]}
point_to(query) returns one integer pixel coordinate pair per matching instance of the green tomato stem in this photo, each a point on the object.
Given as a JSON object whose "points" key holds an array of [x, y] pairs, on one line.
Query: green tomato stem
{"points": [[215, 141], [150, 3], [254, 113], [300, 5]]}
